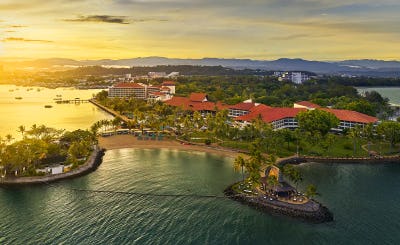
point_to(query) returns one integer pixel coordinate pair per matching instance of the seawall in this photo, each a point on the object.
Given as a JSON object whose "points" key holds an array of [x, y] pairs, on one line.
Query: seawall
{"points": [[95, 159], [344, 160]]}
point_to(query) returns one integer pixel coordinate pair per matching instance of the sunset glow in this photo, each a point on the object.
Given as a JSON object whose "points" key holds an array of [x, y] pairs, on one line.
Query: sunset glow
{"points": [[311, 29]]}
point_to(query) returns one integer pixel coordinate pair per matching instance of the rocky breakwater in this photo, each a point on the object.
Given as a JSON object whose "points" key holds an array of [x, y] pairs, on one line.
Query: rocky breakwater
{"points": [[312, 211]]}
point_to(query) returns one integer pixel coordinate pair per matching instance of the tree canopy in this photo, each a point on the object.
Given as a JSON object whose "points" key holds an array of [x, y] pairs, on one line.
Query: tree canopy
{"points": [[317, 121]]}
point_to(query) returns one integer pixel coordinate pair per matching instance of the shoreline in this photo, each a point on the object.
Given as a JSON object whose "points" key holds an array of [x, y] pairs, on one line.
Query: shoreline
{"points": [[131, 142], [93, 162], [338, 160]]}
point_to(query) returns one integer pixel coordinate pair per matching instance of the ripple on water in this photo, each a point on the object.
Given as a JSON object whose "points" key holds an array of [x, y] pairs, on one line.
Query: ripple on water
{"points": [[362, 197]]}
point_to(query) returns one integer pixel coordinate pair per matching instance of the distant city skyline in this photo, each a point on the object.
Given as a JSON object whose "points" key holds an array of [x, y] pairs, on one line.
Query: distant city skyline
{"points": [[255, 29]]}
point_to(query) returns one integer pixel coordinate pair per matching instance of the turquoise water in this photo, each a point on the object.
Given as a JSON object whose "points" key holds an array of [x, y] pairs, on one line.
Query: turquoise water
{"points": [[363, 198], [392, 93]]}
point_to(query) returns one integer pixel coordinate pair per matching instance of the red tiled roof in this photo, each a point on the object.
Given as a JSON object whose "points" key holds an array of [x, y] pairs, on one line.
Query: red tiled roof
{"points": [[154, 86], [197, 97], [178, 101], [260, 108], [165, 88], [274, 114], [157, 93], [270, 114], [168, 83], [187, 104], [127, 85], [242, 106], [351, 116], [308, 104]]}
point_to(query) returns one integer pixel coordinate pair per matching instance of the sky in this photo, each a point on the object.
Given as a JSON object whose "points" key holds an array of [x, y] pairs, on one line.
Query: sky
{"points": [[254, 29]]}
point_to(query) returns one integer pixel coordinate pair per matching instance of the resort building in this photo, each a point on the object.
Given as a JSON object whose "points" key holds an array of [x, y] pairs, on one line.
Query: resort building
{"points": [[299, 77], [281, 118], [242, 108], [196, 102], [350, 119], [246, 112], [127, 90], [142, 91], [295, 77], [155, 74], [278, 117], [170, 85]]}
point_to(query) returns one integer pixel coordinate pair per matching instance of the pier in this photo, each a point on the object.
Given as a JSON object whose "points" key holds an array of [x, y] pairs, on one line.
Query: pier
{"points": [[74, 101], [109, 111]]}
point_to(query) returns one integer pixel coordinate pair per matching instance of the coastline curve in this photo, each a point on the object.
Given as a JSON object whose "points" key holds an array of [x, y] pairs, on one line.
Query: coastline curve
{"points": [[94, 161]]}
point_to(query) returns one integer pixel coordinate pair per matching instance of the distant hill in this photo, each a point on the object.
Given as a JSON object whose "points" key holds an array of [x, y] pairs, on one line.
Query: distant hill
{"points": [[374, 68]]}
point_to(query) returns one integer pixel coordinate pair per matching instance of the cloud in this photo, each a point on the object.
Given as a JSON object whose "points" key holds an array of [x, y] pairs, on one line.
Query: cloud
{"points": [[20, 39], [101, 18], [290, 37], [16, 26]]}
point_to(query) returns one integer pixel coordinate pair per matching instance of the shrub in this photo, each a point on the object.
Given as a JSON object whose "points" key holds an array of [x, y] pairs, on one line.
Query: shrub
{"points": [[207, 142], [347, 146]]}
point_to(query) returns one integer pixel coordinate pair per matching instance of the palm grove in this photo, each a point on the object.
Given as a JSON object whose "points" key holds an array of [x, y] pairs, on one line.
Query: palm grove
{"points": [[40, 146], [259, 140]]}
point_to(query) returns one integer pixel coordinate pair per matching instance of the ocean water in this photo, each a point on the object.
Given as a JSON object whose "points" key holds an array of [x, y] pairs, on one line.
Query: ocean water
{"points": [[140, 205], [30, 109], [392, 93]]}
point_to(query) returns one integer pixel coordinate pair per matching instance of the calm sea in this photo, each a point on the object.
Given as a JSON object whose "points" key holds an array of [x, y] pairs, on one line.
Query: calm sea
{"points": [[30, 109], [139, 210], [392, 93]]}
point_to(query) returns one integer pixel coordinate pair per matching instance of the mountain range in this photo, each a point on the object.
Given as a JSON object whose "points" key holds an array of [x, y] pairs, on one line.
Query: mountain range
{"points": [[365, 67]]}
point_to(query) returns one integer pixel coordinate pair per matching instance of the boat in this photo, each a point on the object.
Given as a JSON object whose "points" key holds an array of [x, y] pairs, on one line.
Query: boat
{"points": [[18, 98], [57, 99], [48, 106], [59, 95], [11, 90]]}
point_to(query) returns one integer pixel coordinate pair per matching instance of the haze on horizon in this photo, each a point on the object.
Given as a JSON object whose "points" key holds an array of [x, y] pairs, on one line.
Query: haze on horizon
{"points": [[255, 29]]}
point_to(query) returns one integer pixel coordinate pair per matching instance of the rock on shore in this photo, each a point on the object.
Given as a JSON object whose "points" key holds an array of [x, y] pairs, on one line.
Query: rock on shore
{"points": [[311, 211]]}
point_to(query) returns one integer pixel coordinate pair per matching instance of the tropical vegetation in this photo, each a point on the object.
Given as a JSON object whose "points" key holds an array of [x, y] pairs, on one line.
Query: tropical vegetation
{"points": [[41, 146]]}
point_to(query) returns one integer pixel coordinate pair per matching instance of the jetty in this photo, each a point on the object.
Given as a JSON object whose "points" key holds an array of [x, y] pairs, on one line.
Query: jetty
{"points": [[311, 211], [73, 101], [110, 111]]}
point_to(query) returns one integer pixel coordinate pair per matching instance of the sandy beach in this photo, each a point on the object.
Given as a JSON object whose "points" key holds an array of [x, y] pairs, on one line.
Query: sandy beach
{"points": [[129, 141]]}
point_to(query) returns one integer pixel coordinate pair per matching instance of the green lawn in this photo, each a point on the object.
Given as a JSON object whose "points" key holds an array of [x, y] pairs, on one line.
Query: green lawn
{"points": [[241, 145], [341, 147], [384, 148]]}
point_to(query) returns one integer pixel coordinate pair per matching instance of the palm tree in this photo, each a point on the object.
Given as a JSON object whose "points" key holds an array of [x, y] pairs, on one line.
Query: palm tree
{"points": [[238, 164], [21, 129], [272, 181], [95, 127], [293, 174], [9, 138], [311, 191], [354, 133], [116, 122]]}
